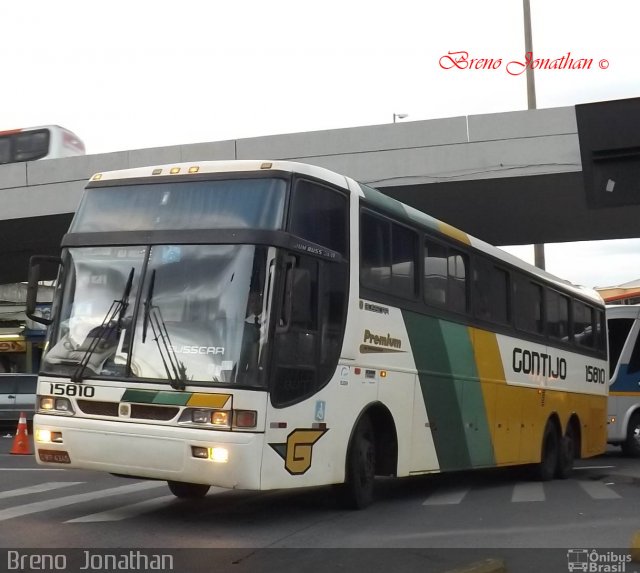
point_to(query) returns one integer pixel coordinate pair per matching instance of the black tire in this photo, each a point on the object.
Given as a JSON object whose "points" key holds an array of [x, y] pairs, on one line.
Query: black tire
{"points": [[566, 454], [188, 490], [631, 445], [358, 488], [546, 469]]}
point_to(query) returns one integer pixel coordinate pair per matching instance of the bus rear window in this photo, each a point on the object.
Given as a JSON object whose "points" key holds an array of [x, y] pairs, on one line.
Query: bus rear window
{"points": [[24, 145]]}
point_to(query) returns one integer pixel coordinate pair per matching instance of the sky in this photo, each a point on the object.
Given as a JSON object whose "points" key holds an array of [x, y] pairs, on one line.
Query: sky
{"points": [[137, 74]]}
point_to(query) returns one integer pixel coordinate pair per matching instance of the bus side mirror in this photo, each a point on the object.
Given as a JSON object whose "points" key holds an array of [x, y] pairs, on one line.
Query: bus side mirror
{"points": [[32, 286]]}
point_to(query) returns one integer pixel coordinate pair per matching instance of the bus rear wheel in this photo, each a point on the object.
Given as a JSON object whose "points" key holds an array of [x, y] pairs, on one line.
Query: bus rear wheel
{"points": [[546, 469], [631, 445], [188, 490], [357, 490], [566, 454]]}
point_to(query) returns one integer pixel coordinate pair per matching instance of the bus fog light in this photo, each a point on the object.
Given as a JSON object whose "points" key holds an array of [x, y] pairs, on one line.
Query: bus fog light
{"points": [[43, 436], [198, 452], [220, 418], [220, 455]]}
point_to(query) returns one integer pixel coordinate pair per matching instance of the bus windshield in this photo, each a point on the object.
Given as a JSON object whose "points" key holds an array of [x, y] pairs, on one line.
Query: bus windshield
{"points": [[223, 204], [199, 316]]}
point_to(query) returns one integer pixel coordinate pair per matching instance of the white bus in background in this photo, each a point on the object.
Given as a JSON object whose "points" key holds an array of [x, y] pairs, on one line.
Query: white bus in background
{"points": [[624, 370], [45, 142]]}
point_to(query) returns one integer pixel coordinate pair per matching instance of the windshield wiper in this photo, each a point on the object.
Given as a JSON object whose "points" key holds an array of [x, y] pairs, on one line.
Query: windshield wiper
{"points": [[175, 369], [147, 305], [112, 322]]}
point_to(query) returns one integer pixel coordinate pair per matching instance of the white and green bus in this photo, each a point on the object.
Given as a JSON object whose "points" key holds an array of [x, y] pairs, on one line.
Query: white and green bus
{"points": [[262, 325]]}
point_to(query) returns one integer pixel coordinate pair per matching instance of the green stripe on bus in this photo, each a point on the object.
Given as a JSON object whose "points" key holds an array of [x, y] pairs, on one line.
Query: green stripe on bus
{"points": [[172, 398], [459, 346], [155, 397], [439, 389], [139, 396]]}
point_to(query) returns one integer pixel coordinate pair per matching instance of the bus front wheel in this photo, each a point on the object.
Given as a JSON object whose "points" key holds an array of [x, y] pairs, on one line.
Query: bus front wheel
{"points": [[631, 445], [188, 490], [357, 490]]}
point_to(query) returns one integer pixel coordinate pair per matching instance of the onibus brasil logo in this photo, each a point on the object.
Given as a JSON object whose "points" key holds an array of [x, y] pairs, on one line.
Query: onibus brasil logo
{"points": [[593, 561]]}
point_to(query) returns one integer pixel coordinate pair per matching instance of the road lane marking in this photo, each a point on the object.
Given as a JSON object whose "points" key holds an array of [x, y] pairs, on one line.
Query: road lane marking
{"points": [[449, 497], [39, 488], [530, 491], [32, 470], [125, 511], [597, 490], [594, 467], [39, 506]]}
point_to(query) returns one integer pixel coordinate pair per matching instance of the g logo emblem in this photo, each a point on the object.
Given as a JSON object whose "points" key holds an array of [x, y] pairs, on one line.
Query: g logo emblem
{"points": [[297, 452]]}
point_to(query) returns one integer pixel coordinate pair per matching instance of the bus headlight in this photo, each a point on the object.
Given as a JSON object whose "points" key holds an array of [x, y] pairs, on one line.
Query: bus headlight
{"points": [[53, 405], [220, 418], [200, 416]]}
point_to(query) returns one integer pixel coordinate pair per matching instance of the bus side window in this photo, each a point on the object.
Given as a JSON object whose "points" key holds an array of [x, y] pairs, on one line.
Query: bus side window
{"points": [[634, 359], [557, 316], [527, 305], [490, 294], [584, 324], [435, 274]]}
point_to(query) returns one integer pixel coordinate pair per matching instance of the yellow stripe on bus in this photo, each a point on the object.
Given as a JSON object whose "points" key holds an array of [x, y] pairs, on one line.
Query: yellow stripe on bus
{"points": [[209, 400], [454, 233], [493, 383]]}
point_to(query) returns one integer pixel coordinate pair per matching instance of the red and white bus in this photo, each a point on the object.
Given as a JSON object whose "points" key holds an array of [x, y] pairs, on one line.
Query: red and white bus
{"points": [[45, 142]]}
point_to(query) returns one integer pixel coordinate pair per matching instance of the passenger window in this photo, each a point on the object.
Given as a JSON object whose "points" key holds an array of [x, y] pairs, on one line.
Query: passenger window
{"points": [[375, 252], [557, 316], [583, 324], [457, 267], [388, 256], [490, 292], [445, 277], [435, 274], [527, 306], [404, 247]]}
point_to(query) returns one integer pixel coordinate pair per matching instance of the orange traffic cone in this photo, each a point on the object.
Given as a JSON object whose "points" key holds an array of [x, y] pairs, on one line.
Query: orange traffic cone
{"points": [[21, 444]]}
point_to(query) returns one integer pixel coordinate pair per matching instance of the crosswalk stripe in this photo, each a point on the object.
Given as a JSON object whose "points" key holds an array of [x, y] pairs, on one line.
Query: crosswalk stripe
{"points": [[38, 506], [449, 497], [530, 491], [598, 490], [124, 512], [39, 488]]}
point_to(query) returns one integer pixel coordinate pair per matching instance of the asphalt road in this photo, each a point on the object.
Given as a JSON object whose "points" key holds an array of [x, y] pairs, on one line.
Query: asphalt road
{"points": [[430, 523]]}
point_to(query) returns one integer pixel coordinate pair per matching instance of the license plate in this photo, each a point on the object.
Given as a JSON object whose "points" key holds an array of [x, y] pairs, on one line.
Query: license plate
{"points": [[54, 456]]}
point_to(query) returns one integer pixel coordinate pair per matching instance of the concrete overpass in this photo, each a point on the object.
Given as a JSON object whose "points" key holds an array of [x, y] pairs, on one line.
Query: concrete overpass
{"points": [[550, 175]]}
